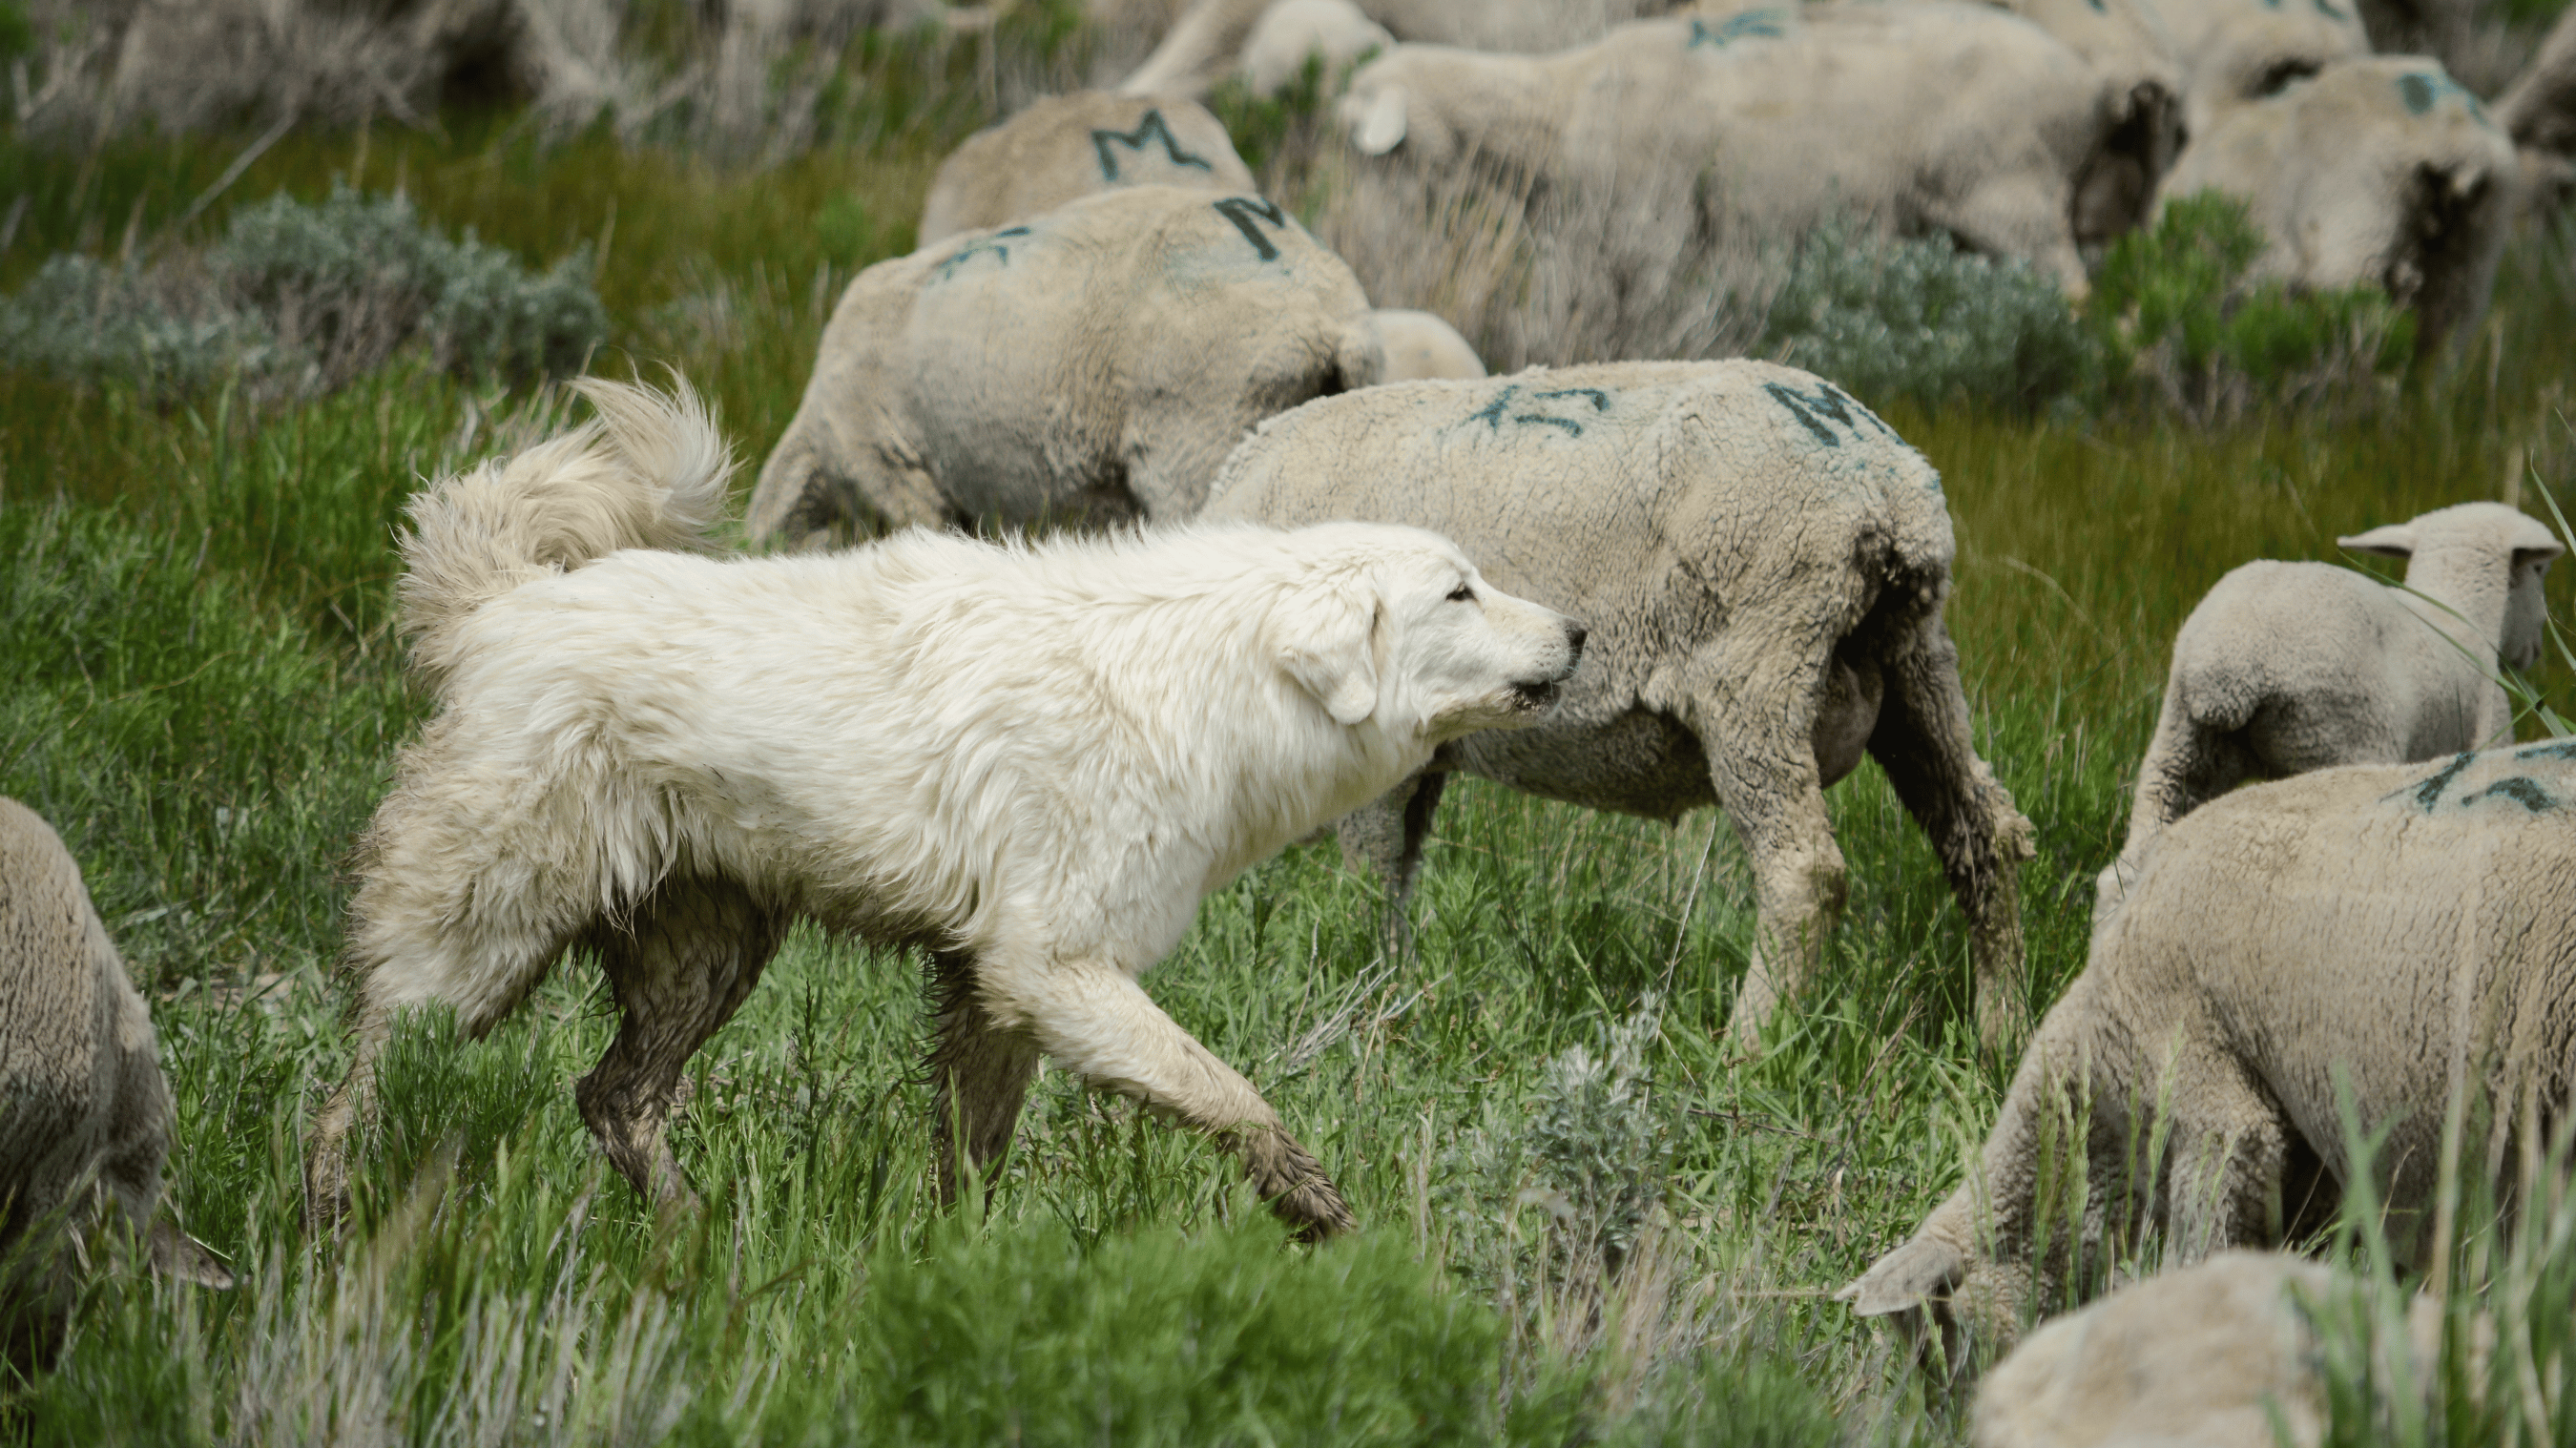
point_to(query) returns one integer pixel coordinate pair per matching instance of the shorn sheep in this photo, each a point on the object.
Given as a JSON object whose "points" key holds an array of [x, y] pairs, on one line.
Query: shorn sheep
{"points": [[84, 1109], [2371, 935], [2287, 667], [1029, 762], [1763, 563], [1091, 365], [2379, 171], [2210, 1356], [1065, 147]]}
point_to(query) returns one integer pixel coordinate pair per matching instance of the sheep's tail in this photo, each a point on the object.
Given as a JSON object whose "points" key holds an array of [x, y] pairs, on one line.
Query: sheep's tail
{"points": [[648, 472]]}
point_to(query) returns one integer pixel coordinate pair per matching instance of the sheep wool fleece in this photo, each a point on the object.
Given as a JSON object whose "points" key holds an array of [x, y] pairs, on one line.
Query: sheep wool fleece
{"points": [[1763, 564], [1092, 364], [2381, 930]]}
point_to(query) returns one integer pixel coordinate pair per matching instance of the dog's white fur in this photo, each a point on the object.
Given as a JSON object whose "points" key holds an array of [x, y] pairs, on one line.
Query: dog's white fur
{"points": [[1033, 759]]}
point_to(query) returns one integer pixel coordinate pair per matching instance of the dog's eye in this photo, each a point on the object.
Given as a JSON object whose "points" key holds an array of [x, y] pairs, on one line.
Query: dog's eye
{"points": [[1463, 594]]}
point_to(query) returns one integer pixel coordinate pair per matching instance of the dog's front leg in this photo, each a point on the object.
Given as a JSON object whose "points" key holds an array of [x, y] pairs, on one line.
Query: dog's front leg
{"points": [[1094, 1020]]}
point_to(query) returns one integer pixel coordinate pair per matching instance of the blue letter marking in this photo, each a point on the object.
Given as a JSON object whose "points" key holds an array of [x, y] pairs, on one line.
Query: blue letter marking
{"points": [[1148, 128], [1242, 210]]}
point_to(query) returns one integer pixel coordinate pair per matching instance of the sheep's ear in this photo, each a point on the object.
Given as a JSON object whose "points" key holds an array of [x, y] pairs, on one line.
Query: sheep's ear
{"points": [[1382, 129], [1921, 1269], [178, 1256], [2397, 540], [1327, 643], [2534, 543]]}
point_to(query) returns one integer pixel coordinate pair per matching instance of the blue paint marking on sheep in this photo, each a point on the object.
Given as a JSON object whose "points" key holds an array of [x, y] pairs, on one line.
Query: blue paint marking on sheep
{"points": [[2423, 89], [1244, 211], [2548, 749], [1827, 403], [2524, 792], [2429, 793], [1149, 127], [1496, 412], [1763, 23], [989, 246]]}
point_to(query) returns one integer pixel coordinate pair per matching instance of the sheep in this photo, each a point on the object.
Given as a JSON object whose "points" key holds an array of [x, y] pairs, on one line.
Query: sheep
{"points": [[1212, 36], [1335, 33], [2539, 112], [1420, 345], [2288, 667], [86, 1121], [1769, 103], [1064, 147], [1091, 364], [2236, 51], [2130, 48], [2204, 1355], [2358, 939], [2379, 171], [1763, 563]]}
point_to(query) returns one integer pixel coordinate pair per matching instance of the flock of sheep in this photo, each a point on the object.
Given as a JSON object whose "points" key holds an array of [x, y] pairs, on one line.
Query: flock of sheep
{"points": [[1364, 566]]}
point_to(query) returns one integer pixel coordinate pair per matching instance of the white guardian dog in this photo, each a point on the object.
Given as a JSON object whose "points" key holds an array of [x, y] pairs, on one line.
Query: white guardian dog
{"points": [[1031, 760]]}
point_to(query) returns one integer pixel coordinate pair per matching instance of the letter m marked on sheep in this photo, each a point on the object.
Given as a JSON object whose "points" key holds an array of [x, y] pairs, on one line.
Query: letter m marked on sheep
{"points": [[1827, 403], [1149, 127], [1244, 211]]}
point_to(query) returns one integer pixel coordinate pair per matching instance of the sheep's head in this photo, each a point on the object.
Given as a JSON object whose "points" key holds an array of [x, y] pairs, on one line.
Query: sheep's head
{"points": [[1956, 1312], [2463, 545]]}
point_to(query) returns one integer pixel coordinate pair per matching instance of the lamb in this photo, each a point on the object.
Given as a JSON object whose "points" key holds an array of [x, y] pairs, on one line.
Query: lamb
{"points": [[1064, 147], [86, 1122], [2380, 171], [2203, 1356], [2288, 667], [2371, 934], [1093, 364], [1212, 36], [1763, 563], [1333, 33], [1768, 104], [1420, 345]]}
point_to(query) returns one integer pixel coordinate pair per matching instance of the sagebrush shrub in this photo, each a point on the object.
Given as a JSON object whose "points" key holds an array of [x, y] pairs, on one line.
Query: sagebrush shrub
{"points": [[300, 300], [2175, 313], [1890, 318]]}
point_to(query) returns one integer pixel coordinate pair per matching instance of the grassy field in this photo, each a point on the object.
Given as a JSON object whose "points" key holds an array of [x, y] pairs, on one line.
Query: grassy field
{"points": [[1587, 1217]]}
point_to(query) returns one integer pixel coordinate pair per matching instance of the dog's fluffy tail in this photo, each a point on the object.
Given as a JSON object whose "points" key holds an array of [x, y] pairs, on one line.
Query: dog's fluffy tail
{"points": [[648, 472]]}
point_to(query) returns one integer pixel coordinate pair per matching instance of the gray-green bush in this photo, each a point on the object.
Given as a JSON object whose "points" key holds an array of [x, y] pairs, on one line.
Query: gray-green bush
{"points": [[299, 300], [1923, 320]]}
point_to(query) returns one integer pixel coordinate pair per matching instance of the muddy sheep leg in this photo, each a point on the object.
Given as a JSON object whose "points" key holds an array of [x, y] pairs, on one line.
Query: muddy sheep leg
{"points": [[1385, 837], [1923, 744]]}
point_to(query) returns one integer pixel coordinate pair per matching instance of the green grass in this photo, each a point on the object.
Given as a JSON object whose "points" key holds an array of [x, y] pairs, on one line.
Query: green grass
{"points": [[198, 686]]}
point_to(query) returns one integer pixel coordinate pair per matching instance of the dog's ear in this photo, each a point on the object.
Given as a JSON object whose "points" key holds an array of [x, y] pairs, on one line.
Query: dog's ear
{"points": [[1326, 634]]}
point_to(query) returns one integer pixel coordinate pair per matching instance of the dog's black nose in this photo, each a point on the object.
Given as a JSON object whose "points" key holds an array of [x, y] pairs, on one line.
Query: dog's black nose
{"points": [[1575, 634]]}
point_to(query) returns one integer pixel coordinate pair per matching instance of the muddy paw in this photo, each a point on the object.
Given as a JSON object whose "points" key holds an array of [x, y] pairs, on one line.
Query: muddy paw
{"points": [[1293, 1182]]}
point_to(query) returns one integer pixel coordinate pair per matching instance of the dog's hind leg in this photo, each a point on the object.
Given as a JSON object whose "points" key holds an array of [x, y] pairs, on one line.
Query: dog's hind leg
{"points": [[678, 967], [1094, 1020], [980, 1070]]}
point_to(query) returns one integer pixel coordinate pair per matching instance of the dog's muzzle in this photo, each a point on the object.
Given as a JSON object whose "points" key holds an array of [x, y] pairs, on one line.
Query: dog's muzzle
{"points": [[1537, 695]]}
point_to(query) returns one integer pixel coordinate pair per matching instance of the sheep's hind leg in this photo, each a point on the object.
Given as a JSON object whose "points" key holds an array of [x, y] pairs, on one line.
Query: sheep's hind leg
{"points": [[1385, 836], [980, 1070], [678, 969], [1096, 1022], [1923, 743], [2230, 1154]]}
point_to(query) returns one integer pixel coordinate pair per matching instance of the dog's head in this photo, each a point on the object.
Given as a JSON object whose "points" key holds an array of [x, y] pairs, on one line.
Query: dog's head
{"points": [[1394, 625]]}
